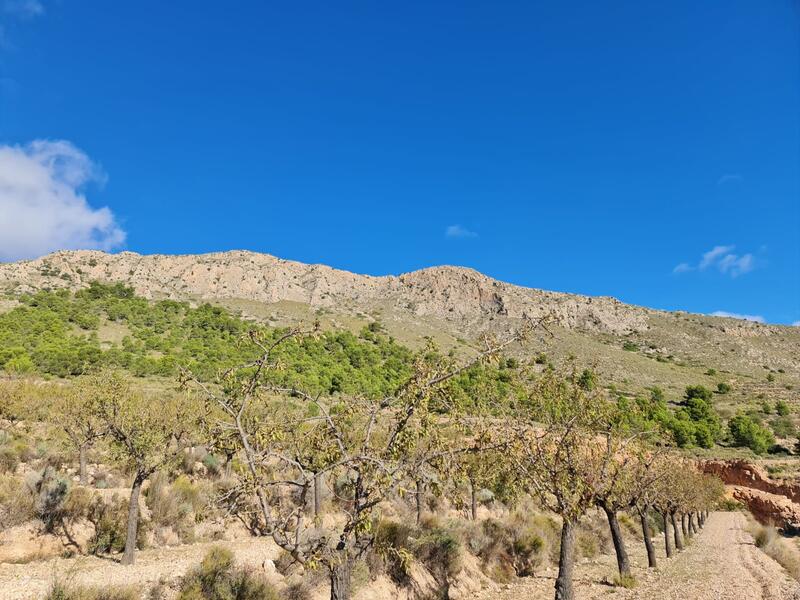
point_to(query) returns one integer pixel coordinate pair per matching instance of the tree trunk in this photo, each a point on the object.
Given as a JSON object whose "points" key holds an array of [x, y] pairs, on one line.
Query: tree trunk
{"points": [[623, 564], [340, 579], [84, 475], [676, 531], [317, 494], [420, 499], [684, 528], [228, 465], [648, 542], [667, 538], [128, 557], [692, 526], [566, 562], [474, 501]]}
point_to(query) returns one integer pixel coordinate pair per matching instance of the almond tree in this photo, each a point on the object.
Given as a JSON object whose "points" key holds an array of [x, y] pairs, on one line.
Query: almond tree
{"points": [[650, 472], [559, 459], [75, 414], [145, 433], [368, 447], [623, 482]]}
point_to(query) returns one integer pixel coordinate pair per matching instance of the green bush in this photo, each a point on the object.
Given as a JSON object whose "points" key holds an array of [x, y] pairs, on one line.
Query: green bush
{"points": [[723, 388], [783, 427], [588, 380], [747, 432], [782, 408], [219, 578]]}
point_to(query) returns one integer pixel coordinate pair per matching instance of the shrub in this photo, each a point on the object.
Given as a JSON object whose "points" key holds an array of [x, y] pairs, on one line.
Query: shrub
{"points": [[9, 460], [723, 388], [16, 502], [440, 551], [66, 591], [769, 540], [782, 408], [588, 380], [745, 431], [50, 492], [630, 346], [219, 578], [172, 506], [783, 427], [110, 520], [698, 391]]}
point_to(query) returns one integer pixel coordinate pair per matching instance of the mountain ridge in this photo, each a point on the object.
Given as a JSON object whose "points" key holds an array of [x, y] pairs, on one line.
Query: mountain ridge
{"points": [[632, 347]]}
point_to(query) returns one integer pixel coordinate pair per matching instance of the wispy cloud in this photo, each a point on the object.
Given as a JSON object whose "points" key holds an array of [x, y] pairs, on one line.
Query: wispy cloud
{"points": [[42, 204], [458, 231], [24, 9], [723, 259], [730, 315], [730, 178], [796, 324]]}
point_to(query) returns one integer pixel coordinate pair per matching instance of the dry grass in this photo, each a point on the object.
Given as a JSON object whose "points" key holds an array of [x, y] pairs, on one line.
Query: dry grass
{"points": [[774, 545], [61, 590]]}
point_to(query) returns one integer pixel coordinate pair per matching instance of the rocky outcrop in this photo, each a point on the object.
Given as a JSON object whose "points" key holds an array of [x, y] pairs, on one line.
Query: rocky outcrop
{"points": [[446, 293], [770, 509], [742, 473]]}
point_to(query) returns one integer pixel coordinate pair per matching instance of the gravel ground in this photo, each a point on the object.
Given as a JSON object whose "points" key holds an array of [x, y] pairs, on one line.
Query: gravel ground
{"points": [[721, 563], [31, 581]]}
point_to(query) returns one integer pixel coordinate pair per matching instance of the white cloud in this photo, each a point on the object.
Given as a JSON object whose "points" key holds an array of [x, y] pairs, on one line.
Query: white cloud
{"points": [[457, 231], [25, 9], [724, 260], [730, 178], [730, 315], [42, 205], [796, 324], [713, 255], [682, 268]]}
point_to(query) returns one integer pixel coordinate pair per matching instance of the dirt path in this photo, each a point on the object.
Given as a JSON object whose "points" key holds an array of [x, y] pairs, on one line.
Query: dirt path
{"points": [[721, 563]]}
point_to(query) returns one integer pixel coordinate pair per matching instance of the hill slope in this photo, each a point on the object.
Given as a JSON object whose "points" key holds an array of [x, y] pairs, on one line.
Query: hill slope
{"points": [[633, 347]]}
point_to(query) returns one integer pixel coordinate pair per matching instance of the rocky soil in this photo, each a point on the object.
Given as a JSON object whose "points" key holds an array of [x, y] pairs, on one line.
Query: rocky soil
{"points": [[721, 563]]}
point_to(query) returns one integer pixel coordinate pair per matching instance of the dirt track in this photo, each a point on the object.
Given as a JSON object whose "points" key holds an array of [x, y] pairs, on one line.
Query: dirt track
{"points": [[722, 563]]}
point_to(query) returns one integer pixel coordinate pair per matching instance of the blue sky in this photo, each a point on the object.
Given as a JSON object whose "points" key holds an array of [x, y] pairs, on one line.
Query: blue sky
{"points": [[648, 151]]}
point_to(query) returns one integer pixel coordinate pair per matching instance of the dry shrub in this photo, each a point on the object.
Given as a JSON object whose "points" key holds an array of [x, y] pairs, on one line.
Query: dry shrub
{"points": [[49, 495], [110, 520], [299, 590], [16, 502], [173, 506], [439, 549], [774, 545], [592, 536], [66, 591], [219, 578]]}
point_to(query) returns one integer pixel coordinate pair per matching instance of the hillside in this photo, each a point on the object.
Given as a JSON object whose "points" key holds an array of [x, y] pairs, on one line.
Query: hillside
{"points": [[631, 346]]}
